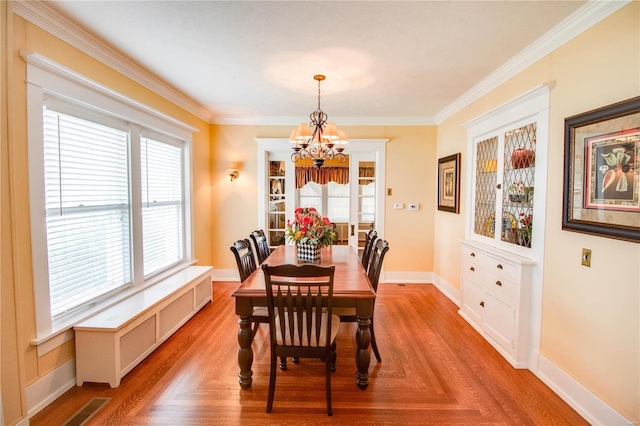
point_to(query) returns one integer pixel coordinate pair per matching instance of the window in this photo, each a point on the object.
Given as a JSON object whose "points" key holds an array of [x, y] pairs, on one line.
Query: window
{"points": [[330, 200], [161, 165], [337, 202], [109, 193], [310, 195], [87, 209]]}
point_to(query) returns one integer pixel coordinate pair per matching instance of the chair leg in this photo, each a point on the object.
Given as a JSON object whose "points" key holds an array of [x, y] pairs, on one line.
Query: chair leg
{"points": [[255, 328], [283, 363], [328, 380], [333, 357], [374, 346], [272, 381], [296, 360]]}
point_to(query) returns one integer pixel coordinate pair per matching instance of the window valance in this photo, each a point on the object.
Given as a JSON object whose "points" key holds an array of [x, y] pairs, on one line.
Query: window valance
{"points": [[324, 175]]}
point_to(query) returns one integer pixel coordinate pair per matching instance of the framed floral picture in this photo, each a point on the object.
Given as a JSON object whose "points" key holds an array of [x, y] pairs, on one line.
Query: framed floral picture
{"points": [[602, 172], [449, 183]]}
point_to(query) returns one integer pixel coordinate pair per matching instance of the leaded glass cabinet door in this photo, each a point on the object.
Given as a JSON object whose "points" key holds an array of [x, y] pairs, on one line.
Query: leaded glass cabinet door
{"points": [[486, 181], [504, 181], [518, 185]]}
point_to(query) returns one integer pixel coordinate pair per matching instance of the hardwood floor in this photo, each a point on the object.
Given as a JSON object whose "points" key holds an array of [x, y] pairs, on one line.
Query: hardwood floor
{"points": [[435, 370]]}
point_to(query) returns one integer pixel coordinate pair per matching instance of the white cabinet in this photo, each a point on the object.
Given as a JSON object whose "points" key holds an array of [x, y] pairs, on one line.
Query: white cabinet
{"points": [[503, 250], [496, 298]]}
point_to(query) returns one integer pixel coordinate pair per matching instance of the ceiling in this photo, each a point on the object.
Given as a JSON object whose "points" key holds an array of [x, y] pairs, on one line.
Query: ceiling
{"points": [[386, 62]]}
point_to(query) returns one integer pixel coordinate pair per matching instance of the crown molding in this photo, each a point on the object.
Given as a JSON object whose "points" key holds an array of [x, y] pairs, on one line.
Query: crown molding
{"points": [[340, 121], [45, 17], [582, 19]]}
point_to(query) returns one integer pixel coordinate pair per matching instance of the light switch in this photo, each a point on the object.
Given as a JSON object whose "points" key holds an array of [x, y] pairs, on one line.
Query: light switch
{"points": [[413, 206], [398, 206]]}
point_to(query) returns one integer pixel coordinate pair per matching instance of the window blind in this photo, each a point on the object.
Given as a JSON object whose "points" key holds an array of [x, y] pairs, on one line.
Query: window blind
{"points": [[87, 209], [162, 205]]}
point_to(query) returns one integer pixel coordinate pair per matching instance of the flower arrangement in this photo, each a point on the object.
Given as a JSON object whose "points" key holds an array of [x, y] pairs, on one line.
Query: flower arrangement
{"points": [[309, 227], [516, 192], [525, 223], [516, 188]]}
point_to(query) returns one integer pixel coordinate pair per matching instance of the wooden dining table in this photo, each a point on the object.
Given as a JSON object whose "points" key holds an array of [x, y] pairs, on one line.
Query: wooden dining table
{"points": [[351, 288]]}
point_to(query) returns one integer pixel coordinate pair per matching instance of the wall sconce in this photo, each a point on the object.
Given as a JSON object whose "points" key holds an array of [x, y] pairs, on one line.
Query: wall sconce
{"points": [[232, 168]]}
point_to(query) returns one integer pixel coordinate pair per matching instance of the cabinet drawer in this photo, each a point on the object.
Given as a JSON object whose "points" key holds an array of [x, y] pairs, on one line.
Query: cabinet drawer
{"points": [[507, 271], [473, 257], [503, 288], [472, 269]]}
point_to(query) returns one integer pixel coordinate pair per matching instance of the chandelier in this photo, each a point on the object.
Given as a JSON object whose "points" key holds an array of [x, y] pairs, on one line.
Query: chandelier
{"points": [[322, 143]]}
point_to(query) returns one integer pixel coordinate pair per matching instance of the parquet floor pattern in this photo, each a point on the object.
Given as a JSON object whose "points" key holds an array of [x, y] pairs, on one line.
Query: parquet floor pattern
{"points": [[435, 370]]}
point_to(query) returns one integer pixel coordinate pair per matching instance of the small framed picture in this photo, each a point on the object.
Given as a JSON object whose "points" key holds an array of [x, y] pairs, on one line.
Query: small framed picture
{"points": [[602, 172], [449, 183]]}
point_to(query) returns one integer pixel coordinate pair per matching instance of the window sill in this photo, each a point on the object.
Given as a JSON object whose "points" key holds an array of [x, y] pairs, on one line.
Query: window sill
{"points": [[62, 330]]}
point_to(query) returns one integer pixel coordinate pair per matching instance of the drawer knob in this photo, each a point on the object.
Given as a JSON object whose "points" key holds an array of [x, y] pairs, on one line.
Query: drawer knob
{"points": [[499, 266], [499, 283], [472, 269], [482, 304], [473, 254]]}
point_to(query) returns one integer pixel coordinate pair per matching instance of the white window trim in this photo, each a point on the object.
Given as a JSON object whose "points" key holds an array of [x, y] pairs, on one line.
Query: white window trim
{"points": [[46, 77]]}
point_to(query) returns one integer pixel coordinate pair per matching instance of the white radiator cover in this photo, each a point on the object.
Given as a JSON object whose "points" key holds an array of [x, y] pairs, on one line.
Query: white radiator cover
{"points": [[113, 342]]}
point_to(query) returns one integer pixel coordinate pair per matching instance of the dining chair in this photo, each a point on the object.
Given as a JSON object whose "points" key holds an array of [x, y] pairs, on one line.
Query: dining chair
{"points": [[380, 249], [246, 265], [261, 245], [307, 328], [368, 245]]}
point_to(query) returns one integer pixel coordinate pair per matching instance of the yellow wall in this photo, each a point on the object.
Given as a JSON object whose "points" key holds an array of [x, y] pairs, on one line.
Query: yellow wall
{"points": [[590, 318], [591, 325], [20, 363], [410, 172]]}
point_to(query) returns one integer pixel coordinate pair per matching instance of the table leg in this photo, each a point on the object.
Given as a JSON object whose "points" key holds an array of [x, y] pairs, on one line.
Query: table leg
{"points": [[245, 353], [363, 357]]}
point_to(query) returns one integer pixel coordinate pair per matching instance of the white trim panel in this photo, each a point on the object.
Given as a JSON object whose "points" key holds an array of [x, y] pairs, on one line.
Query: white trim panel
{"points": [[50, 386], [581, 399]]}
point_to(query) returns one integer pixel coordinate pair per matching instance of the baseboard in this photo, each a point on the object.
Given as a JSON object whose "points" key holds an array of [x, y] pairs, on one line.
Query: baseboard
{"points": [[586, 403], [50, 386], [447, 289], [399, 277], [225, 275]]}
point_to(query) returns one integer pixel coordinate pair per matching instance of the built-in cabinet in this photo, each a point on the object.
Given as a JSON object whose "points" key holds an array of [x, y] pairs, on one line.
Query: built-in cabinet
{"points": [[496, 289], [502, 253]]}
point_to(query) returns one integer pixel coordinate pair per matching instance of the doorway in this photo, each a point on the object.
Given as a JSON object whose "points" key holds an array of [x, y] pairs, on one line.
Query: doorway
{"points": [[355, 203]]}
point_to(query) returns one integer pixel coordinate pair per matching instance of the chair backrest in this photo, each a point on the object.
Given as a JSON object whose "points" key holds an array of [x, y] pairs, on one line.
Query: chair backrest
{"points": [[304, 294], [244, 258], [261, 244], [368, 245], [378, 252]]}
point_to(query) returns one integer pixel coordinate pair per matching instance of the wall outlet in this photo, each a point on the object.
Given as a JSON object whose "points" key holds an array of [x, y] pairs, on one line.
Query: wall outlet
{"points": [[413, 206], [586, 257], [398, 206]]}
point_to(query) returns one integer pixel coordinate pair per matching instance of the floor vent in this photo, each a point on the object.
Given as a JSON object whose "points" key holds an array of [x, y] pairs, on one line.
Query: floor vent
{"points": [[86, 412]]}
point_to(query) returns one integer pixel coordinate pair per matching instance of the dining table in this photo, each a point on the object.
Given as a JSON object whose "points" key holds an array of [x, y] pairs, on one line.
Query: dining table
{"points": [[351, 288]]}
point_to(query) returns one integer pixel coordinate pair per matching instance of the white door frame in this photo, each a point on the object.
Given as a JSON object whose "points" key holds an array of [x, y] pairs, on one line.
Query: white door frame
{"points": [[267, 146]]}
